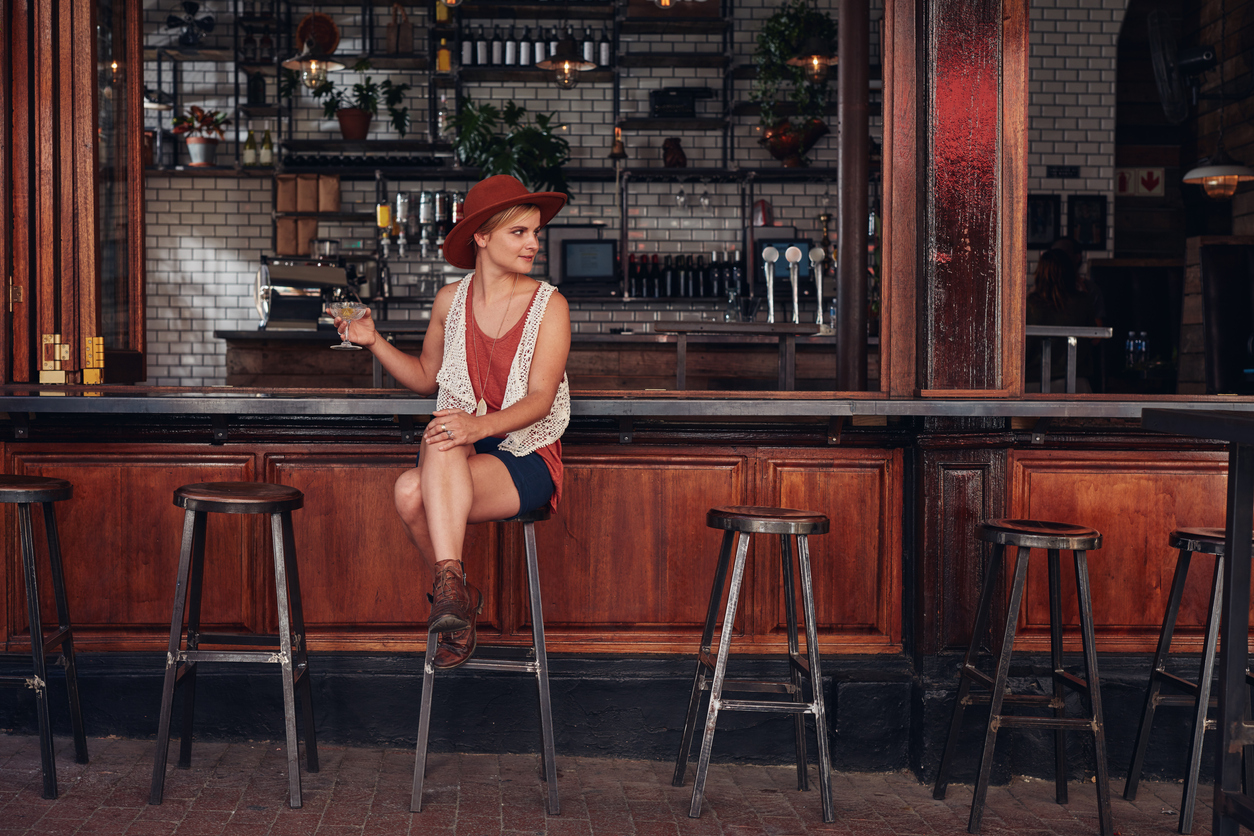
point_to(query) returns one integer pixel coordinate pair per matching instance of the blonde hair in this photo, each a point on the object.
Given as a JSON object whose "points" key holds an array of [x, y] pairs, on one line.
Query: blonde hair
{"points": [[506, 216]]}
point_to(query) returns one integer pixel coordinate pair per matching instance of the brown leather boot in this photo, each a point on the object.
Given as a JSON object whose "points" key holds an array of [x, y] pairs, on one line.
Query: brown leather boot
{"points": [[450, 602], [458, 646]]}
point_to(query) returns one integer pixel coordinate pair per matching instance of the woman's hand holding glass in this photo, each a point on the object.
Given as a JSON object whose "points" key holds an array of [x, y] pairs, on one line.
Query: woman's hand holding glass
{"points": [[363, 333]]}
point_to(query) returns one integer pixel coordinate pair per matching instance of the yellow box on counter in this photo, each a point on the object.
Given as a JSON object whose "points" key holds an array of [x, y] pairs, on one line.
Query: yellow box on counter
{"points": [[285, 193], [328, 193], [306, 192]]}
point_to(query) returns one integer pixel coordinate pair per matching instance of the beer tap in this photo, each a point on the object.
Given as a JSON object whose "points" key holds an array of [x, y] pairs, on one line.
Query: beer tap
{"points": [[793, 254], [816, 266], [770, 255]]}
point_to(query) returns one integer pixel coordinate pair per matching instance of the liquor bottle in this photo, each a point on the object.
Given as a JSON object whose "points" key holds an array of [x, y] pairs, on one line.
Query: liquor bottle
{"points": [[256, 90], [553, 38], [633, 276], [482, 48], [589, 46], [248, 47], [511, 48], [265, 48], [442, 119], [524, 49], [441, 11], [668, 277], [655, 276], [443, 57], [249, 157], [498, 47], [540, 48], [265, 156], [716, 273], [683, 277], [468, 47], [603, 49]]}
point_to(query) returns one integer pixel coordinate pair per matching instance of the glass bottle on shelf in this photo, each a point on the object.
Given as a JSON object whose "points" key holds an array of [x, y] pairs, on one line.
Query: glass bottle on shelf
{"points": [[511, 48], [249, 155], [265, 156], [603, 49], [441, 11], [442, 120], [700, 276], [443, 57], [524, 49], [553, 38], [589, 46], [668, 277], [265, 48], [256, 90], [482, 48], [248, 47], [468, 47], [633, 276], [540, 48], [498, 47]]}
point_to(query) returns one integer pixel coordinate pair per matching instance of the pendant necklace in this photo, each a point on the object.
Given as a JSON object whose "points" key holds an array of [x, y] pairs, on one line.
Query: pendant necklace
{"points": [[481, 408]]}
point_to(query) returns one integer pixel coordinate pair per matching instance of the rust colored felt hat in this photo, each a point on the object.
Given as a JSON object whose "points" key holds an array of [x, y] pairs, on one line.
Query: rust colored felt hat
{"points": [[482, 202]]}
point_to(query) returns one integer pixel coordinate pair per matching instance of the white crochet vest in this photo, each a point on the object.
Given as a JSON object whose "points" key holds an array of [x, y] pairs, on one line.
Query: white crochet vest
{"points": [[457, 392]]}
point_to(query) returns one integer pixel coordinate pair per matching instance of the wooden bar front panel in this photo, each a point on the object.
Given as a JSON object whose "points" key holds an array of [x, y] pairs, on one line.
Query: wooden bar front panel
{"points": [[1135, 501]]}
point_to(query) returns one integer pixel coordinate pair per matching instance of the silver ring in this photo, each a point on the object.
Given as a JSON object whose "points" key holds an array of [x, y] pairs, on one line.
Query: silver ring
{"points": [[450, 433]]}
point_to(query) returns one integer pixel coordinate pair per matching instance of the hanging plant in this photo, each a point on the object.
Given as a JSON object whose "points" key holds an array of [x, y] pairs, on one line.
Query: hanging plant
{"points": [[504, 142], [781, 36]]}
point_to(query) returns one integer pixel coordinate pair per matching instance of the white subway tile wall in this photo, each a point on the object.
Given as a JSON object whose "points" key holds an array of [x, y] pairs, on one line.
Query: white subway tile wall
{"points": [[205, 234]]}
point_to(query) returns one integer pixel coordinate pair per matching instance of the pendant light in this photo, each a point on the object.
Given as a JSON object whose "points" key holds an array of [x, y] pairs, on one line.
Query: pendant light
{"points": [[1219, 174], [664, 4], [566, 63], [815, 57], [452, 4], [313, 64]]}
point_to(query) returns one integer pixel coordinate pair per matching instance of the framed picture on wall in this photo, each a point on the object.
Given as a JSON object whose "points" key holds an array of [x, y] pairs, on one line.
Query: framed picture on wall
{"points": [[1044, 220], [1086, 220]]}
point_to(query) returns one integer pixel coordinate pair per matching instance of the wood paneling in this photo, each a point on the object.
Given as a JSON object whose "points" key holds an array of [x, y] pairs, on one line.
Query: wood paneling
{"points": [[1135, 501]]}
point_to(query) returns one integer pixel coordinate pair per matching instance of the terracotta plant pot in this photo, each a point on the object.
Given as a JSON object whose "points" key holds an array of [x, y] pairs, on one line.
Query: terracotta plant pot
{"points": [[354, 122], [202, 151], [787, 143]]}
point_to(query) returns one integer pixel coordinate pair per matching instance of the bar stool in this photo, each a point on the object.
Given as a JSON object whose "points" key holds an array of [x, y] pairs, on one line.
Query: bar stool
{"points": [[748, 520], [199, 501], [23, 491], [530, 659], [1197, 694], [1053, 537]]}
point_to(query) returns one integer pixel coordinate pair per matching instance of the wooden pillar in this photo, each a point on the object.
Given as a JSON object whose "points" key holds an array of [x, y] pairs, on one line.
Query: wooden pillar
{"points": [[853, 82]]}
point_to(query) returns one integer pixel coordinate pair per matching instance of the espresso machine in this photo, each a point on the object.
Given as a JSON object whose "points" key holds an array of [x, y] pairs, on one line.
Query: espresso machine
{"points": [[293, 292]]}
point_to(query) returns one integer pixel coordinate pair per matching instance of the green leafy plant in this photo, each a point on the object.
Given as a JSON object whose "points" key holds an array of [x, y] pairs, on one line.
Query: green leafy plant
{"points": [[364, 95], [781, 36], [201, 122], [503, 141]]}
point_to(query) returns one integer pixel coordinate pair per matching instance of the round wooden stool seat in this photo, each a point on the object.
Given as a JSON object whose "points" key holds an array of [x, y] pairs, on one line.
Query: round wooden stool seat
{"points": [[763, 520], [1039, 534], [33, 489], [238, 497], [533, 516], [1204, 540]]}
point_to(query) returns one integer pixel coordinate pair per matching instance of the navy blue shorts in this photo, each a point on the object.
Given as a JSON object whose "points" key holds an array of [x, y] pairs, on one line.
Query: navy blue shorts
{"points": [[530, 474]]}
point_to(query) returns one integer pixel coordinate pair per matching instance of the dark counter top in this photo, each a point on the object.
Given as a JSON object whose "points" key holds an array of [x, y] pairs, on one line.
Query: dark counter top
{"points": [[417, 330]]}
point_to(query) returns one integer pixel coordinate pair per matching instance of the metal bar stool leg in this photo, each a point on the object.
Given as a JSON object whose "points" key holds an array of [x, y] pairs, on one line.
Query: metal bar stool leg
{"points": [[285, 660], [1055, 658], [424, 724], [1105, 820], [195, 588], [992, 572], [193, 529], [1188, 801], [698, 677], [1156, 670], [66, 631], [720, 669], [47, 755], [999, 689], [816, 679], [794, 650], [300, 643], [549, 754]]}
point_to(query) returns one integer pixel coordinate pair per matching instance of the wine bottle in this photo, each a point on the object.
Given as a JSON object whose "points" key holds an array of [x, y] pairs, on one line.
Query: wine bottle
{"points": [[589, 46], [498, 47], [655, 276], [442, 118], [265, 48], [482, 48], [737, 272], [603, 49], [684, 276], [249, 157], [702, 279], [511, 48], [248, 47], [540, 48], [524, 49], [633, 276], [265, 156], [256, 90], [468, 47], [668, 277], [443, 57], [553, 38], [716, 273]]}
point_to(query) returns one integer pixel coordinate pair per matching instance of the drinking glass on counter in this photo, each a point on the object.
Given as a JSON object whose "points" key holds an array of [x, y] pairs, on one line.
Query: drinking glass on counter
{"points": [[349, 312]]}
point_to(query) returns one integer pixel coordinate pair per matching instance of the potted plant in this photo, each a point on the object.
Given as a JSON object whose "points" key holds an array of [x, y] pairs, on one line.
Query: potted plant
{"points": [[500, 141], [356, 107], [790, 136], [203, 131]]}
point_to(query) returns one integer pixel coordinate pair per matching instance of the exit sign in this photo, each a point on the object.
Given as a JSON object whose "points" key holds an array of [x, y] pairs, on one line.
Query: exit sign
{"points": [[1062, 171]]}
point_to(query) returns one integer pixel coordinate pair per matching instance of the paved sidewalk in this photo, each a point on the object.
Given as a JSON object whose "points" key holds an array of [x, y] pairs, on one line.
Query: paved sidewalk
{"points": [[240, 789]]}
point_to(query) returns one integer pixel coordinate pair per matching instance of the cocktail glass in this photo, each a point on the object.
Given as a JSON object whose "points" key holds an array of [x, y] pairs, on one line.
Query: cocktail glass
{"points": [[349, 312]]}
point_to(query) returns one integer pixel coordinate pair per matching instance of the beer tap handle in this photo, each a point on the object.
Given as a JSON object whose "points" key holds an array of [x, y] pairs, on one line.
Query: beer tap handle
{"points": [[793, 254], [770, 255], [816, 267]]}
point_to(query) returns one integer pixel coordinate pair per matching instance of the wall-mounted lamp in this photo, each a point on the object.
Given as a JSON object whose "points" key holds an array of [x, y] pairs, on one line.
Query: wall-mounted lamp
{"points": [[815, 57], [566, 63], [1220, 174], [313, 64]]}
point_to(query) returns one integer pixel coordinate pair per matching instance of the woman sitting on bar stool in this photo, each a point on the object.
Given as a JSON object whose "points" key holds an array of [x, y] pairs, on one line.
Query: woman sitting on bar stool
{"points": [[1058, 299], [496, 350]]}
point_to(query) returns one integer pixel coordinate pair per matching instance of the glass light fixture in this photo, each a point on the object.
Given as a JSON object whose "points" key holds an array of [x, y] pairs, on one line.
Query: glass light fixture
{"points": [[814, 56], [313, 65], [566, 64], [664, 4], [451, 3], [1220, 174]]}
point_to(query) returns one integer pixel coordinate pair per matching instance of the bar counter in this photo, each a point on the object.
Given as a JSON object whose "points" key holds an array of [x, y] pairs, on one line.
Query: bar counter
{"points": [[627, 560]]}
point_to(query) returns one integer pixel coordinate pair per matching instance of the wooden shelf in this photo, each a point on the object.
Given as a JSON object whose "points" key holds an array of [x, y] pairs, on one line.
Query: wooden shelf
{"points": [[672, 26], [211, 171], [662, 174], [260, 111], [490, 10], [676, 59], [480, 75], [363, 146], [181, 53], [255, 66], [391, 62], [332, 217], [695, 124]]}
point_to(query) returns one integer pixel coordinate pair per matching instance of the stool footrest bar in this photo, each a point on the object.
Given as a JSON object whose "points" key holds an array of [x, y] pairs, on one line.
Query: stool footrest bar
{"points": [[257, 656], [758, 685], [56, 638], [1179, 682], [977, 676], [514, 665], [1082, 723], [767, 705], [247, 639], [1072, 680]]}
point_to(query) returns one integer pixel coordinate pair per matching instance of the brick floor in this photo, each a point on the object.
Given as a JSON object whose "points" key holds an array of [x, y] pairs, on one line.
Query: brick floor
{"points": [[240, 789]]}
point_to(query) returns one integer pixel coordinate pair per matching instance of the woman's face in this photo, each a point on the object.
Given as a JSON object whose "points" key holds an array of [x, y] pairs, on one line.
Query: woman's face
{"points": [[512, 247]]}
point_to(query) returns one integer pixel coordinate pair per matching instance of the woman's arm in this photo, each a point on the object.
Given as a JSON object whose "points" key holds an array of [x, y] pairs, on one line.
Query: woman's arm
{"points": [[548, 366], [414, 373]]}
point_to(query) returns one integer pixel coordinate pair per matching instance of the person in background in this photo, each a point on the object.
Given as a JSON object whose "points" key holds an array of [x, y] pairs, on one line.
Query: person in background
{"points": [[1084, 282], [496, 350], [1058, 299]]}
